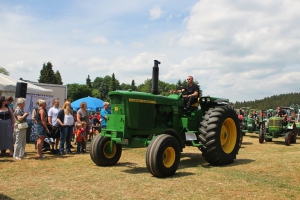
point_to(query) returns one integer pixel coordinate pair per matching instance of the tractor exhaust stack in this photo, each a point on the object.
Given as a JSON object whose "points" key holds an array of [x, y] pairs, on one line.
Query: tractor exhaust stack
{"points": [[155, 73]]}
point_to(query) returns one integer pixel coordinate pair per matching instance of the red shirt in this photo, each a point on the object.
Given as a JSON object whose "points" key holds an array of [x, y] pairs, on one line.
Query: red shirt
{"points": [[81, 135]]}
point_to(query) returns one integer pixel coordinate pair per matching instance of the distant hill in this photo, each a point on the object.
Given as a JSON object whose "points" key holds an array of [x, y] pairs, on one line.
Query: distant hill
{"points": [[271, 102]]}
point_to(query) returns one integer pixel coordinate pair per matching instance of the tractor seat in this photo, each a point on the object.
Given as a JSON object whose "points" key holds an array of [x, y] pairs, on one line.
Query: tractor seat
{"points": [[197, 103]]}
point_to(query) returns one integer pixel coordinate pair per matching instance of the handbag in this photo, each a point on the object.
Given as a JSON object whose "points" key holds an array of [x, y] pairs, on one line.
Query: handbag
{"points": [[23, 125]]}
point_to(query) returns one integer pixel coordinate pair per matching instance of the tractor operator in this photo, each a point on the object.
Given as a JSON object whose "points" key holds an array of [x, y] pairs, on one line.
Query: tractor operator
{"points": [[254, 116], [191, 93], [281, 113]]}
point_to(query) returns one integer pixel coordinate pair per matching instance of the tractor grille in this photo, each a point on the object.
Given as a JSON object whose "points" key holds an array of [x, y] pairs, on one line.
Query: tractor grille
{"points": [[275, 122]]}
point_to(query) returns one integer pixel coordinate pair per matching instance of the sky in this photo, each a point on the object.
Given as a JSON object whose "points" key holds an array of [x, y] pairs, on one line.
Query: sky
{"points": [[240, 50]]}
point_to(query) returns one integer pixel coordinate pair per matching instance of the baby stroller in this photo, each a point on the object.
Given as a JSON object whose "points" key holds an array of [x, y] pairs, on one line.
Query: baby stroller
{"points": [[48, 141]]}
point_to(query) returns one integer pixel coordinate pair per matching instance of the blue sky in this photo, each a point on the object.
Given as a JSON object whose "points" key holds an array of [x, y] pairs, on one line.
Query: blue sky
{"points": [[241, 50]]}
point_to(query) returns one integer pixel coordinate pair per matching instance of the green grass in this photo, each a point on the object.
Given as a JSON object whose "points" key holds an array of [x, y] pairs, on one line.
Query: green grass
{"points": [[261, 171]]}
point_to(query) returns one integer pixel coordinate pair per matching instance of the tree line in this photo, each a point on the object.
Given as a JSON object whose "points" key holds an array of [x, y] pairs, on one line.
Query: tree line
{"points": [[271, 102], [100, 86]]}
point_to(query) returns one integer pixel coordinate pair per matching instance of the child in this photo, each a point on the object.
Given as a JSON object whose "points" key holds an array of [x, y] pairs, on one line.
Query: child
{"points": [[80, 137]]}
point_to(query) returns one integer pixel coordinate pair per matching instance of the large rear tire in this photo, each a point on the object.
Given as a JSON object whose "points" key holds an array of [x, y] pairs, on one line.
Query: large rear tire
{"points": [[100, 154], [163, 156], [220, 135]]}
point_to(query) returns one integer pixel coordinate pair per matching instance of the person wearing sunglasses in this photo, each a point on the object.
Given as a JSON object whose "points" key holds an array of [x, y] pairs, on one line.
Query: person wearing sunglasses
{"points": [[190, 93]]}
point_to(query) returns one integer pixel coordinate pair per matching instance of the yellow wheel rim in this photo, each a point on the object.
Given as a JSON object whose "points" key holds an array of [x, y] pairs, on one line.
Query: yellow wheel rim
{"points": [[106, 151], [169, 157], [228, 135]]}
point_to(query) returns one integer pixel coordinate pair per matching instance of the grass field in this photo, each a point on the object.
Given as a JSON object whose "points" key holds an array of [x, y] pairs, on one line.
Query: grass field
{"points": [[261, 171]]}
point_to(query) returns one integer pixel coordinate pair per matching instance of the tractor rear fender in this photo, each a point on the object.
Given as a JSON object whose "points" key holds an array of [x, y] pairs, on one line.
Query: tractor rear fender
{"points": [[207, 102], [175, 135]]}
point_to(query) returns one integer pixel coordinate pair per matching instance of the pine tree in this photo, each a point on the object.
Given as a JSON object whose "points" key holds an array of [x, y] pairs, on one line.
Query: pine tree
{"points": [[58, 78], [89, 82], [133, 86], [113, 84], [47, 74], [178, 84]]}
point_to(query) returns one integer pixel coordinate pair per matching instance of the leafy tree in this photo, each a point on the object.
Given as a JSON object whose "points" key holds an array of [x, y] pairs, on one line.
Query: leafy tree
{"points": [[88, 82], [96, 93], [163, 87], [4, 71], [125, 86], [47, 75], [146, 86], [97, 82], [58, 78], [78, 91], [104, 87]]}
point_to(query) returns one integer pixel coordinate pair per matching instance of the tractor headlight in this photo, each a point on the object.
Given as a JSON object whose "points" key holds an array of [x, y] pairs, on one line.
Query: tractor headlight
{"points": [[208, 99], [203, 99]]}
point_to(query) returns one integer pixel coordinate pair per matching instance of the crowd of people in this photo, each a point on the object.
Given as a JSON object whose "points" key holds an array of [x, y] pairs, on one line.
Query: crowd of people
{"points": [[57, 127]]}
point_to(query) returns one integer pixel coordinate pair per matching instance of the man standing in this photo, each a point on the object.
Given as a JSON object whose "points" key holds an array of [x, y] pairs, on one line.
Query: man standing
{"points": [[52, 119], [104, 112]]}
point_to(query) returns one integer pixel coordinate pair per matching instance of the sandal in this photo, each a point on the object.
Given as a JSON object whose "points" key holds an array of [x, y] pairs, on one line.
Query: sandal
{"points": [[18, 158]]}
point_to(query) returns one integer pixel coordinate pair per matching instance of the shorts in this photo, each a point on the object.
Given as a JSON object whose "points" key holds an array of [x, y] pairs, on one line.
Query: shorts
{"points": [[40, 130]]}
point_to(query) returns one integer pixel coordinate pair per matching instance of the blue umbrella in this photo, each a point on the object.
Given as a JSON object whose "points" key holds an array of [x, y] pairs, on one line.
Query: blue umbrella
{"points": [[93, 104]]}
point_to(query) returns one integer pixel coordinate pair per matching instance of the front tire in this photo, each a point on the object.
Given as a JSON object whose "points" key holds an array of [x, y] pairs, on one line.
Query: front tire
{"points": [[163, 156], [100, 154], [220, 135], [287, 138]]}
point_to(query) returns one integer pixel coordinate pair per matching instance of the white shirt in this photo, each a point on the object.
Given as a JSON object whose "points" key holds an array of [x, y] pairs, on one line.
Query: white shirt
{"points": [[53, 112], [68, 120]]}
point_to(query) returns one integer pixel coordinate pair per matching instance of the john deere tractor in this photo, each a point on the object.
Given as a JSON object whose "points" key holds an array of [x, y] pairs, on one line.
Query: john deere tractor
{"points": [[253, 126], [296, 108], [277, 127], [161, 124]]}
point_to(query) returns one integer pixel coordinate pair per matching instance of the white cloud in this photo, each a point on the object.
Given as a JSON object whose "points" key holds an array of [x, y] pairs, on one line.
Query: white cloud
{"points": [[237, 50], [99, 40], [155, 12]]}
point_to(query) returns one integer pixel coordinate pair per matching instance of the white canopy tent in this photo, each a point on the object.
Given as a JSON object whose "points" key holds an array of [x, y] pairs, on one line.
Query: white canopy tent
{"points": [[8, 87]]}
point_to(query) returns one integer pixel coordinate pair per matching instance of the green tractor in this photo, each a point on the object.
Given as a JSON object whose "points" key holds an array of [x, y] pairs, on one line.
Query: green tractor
{"points": [[296, 107], [161, 124], [243, 116], [277, 127], [252, 125]]}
